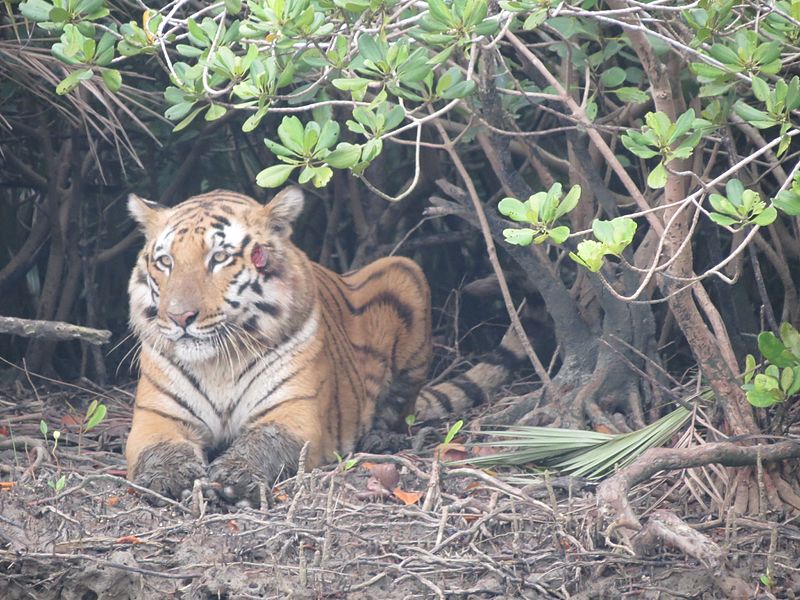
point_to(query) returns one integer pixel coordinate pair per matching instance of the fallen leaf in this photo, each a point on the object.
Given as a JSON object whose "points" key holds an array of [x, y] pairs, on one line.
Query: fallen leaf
{"points": [[7, 485], [112, 500], [128, 539], [407, 498], [386, 474], [68, 420], [233, 525], [450, 452], [4, 430]]}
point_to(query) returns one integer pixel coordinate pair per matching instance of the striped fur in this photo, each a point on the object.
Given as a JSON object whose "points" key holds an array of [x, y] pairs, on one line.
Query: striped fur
{"points": [[250, 350], [242, 333]]}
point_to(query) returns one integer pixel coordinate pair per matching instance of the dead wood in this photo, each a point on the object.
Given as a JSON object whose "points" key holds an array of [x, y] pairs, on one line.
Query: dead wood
{"points": [[53, 330]]}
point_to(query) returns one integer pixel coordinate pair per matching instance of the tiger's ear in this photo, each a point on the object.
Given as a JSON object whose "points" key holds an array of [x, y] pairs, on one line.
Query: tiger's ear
{"points": [[284, 208], [145, 212]]}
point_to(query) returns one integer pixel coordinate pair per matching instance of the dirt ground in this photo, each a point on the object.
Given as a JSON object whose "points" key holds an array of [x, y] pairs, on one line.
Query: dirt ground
{"points": [[446, 532]]}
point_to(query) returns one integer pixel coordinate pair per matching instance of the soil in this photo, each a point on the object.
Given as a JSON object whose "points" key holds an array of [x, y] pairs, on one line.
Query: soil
{"points": [[440, 532]]}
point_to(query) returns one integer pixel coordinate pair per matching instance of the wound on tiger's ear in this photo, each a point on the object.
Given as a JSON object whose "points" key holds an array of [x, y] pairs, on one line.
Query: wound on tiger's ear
{"points": [[259, 256]]}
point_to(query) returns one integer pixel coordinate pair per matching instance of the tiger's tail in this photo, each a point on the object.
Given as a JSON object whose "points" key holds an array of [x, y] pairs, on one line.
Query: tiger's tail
{"points": [[475, 386]]}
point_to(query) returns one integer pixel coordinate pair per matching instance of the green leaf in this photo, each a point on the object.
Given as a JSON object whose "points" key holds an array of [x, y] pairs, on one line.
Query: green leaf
{"points": [[657, 178], [724, 54], [112, 79], [439, 11], [590, 254], [351, 84], [569, 202], [761, 398], [178, 111], [215, 111], [451, 433], [233, 7], [36, 10], [760, 89], [749, 368], [757, 118], [274, 176], [43, 427], [659, 123], [631, 94], [519, 237], [766, 217], [328, 135], [345, 156], [724, 220], [613, 77], [559, 234], [322, 175], [291, 132], [774, 351], [515, 210], [254, 120], [188, 119], [722, 205], [96, 417], [73, 80]]}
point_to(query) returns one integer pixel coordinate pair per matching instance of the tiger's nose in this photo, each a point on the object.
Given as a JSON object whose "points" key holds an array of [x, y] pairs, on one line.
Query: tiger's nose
{"points": [[183, 320]]}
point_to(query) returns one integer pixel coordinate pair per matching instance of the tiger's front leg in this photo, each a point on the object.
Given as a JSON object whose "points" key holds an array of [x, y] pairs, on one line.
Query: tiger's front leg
{"points": [[161, 456], [266, 450]]}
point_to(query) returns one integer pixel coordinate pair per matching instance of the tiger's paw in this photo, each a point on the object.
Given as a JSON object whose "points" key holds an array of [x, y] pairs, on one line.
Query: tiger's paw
{"points": [[168, 468], [258, 456]]}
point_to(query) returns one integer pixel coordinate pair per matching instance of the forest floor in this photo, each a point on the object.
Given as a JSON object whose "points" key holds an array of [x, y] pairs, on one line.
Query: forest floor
{"points": [[72, 528]]}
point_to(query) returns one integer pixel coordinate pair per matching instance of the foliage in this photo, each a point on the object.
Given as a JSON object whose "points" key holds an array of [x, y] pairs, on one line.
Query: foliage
{"points": [[588, 454], [779, 380]]}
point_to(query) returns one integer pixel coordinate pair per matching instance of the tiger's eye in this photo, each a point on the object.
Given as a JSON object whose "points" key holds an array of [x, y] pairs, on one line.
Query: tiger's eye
{"points": [[164, 261], [219, 256]]}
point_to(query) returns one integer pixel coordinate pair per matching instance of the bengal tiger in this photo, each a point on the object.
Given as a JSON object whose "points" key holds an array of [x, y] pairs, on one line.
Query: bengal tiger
{"points": [[249, 349]]}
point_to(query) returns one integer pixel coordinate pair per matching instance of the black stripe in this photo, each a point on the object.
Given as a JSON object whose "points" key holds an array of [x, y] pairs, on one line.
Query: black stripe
{"points": [[267, 307], [386, 298], [412, 272], [472, 390], [276, 354], [163, 414], [442, 398], [271, 391], [262, 413], [245, 240], [504, 357], [194, 383], [150, 313], [174, 397], [371, 352]]}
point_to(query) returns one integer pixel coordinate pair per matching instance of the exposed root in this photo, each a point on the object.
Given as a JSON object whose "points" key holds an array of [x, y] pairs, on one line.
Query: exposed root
{"points": [[612, 494]]}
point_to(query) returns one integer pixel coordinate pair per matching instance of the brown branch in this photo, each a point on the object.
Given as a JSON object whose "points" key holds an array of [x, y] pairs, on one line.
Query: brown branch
{"points": [[53, 330], [491, 251]]}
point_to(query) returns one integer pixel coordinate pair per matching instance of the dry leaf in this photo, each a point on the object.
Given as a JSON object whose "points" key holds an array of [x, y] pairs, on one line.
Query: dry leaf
{"points": [[112, 500], [68, 420], [407, 498], [450, 452], [128, 539], [386, 474], [4, 430], [7, 485], [233, 525]]}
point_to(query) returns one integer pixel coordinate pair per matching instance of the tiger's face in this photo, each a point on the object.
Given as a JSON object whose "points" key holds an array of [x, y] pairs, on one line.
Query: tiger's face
{"points": [[218, 277]]}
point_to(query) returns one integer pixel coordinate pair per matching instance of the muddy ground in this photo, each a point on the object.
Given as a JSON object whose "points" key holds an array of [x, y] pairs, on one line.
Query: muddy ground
{"points": [[72, 528]]}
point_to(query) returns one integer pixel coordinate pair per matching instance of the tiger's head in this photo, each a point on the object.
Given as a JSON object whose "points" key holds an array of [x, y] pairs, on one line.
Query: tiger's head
{"points": [[218, 274]]}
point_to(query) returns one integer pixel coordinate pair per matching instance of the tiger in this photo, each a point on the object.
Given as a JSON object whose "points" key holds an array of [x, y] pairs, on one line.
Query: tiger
{"points": [[250, 351]]}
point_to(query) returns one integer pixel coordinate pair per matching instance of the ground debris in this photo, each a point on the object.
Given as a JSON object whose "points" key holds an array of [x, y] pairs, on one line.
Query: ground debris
{"points": [[453, 532]]}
